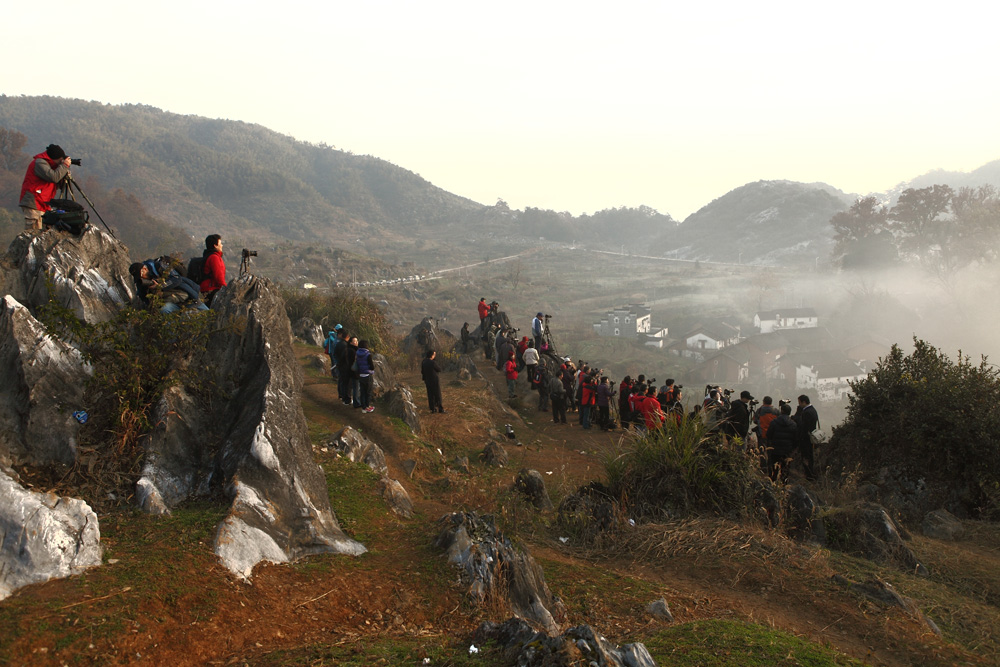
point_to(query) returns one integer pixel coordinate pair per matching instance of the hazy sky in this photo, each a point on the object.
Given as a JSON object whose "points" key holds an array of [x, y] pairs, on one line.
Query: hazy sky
{"points": [[573, 106]]}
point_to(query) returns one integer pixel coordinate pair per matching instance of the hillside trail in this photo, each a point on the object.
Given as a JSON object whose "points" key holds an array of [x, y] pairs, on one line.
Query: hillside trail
{"points": [[801, 600]]}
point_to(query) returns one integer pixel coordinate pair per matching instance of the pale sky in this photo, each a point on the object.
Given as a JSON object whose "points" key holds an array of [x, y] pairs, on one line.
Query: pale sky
{"points": [[571, 106]]}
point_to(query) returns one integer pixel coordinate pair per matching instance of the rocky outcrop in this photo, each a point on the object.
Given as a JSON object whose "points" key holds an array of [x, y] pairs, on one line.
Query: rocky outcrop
{"points": [[353, 446], [427, 336], [580, 645], [883, 593], [87, 274], [401, 406], [384, 379], [531, 484], [802, 516], [867, 530], [281, 508], [589, 511], [308, 332], [396, 497], [43, 383], [942, 525], [494, 454], [496, 571], [43, 536]]}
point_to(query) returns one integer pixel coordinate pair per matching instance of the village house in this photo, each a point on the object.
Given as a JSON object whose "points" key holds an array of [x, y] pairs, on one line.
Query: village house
{"points": [[632, 321], [705, 338], [786, 318]]}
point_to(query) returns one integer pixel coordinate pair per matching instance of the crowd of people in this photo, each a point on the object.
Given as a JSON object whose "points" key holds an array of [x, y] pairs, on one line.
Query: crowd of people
{"points": [[639, 403], [353, 367], [167, 283]]}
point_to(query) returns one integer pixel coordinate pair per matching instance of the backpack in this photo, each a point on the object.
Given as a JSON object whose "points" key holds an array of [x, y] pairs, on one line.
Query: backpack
{"points": [[66, 216], [194, 269]]}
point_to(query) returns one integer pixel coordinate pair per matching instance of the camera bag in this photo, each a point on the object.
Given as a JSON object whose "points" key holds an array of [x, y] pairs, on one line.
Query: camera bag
{"points": [[66, 216]]}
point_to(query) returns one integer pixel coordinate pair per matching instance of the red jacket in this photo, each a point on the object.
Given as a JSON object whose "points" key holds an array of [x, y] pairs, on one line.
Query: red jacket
{"points": [[651, 412], [484, 310], [214, 271], [43, 190], [511, 368], [589, 393]]}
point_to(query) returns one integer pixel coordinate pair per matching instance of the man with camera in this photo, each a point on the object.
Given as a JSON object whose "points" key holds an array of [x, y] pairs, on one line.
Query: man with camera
{"points": [[738, 418], [40, 183]]}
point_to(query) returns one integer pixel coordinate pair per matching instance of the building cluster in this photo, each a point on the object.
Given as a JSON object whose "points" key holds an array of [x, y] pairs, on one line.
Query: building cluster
{"points": [[781, 347]]}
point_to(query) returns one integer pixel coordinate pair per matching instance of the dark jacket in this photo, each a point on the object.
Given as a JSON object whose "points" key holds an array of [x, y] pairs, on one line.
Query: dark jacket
{"points": [[738, 419], [366, 365], [781, 435], [429, 371], [807, 419]]}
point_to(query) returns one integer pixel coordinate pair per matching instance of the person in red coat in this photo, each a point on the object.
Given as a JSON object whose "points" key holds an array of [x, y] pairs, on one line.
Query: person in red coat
{"points": [[213, 269], [511, 369], [39, 185]]}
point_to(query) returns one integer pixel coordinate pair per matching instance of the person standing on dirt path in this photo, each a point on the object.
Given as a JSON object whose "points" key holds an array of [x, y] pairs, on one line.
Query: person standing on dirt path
{"points": [[340, 350], [807, 420], [511, 369], [429, 371]]}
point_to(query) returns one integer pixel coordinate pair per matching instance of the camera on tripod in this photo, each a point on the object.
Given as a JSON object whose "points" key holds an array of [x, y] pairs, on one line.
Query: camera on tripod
{"points": [[76, 161], [249, 253]]}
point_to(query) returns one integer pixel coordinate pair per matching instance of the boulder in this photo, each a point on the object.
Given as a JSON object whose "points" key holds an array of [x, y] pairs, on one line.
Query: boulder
{"points": [[396, 497], [402, 407], [589, 511], [803, 519], [942, 525], [281, 507], [308, 332], [660, 609], [427, 336], [384, 379], [867, 530], [498, 572], [883, 593], [44, 381], [532, 485], [579, 645], [494, 454], [43, 536], [353, 446], [87, 274], [320, 362], [178, 462]]}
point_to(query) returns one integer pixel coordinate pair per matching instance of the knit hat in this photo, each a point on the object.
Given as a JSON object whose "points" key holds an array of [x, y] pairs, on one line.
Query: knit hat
{"points": [[55, 152]]}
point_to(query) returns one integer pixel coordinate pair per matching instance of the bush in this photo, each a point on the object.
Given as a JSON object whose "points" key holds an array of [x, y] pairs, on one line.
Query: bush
{"points": [[932, 417], [343, 305], [684, 468]]}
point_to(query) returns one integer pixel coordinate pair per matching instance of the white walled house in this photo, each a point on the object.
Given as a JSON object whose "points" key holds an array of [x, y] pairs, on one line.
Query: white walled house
{"points": [[628, 322], [787, 318], [830, 379]]}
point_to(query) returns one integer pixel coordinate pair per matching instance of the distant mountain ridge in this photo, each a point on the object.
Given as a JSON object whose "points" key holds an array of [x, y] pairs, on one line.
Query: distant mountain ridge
{"points": [[239, 178]]}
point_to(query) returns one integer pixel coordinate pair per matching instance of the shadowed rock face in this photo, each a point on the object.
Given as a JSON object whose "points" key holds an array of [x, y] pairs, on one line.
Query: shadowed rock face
{"points": [[42, 382], [281, 508], [43, 536], [88, 273]]}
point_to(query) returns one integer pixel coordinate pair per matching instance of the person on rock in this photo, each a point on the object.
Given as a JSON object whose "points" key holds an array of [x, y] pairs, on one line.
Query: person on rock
{"points": [[213, 269], [40, 184]]}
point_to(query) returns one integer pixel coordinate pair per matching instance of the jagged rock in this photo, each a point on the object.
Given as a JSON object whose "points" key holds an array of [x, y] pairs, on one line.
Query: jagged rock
{"points": [[802, 510], [43, 536], [396, 497], [883, 593], [462, 464], [43, 382], [589, 511], [88, 273], [532, 485], [496, 571], [356, 447], [427, 336], [494, 454], [178, 461], [402, 407], [464, 375], [867, 530], [579, 645], [942, 525], [320, 362], [660, 609], [384, 378], [281, 507], [308, 332]]}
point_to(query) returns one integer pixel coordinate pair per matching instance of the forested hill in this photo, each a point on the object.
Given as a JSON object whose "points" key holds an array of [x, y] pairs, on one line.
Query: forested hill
{"points": [[187, 169]]}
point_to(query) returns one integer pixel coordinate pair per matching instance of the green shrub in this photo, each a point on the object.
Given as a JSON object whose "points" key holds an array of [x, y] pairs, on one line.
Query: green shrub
{"points": [[343, 305], [935, 418], [135, 356], [683, 468]]}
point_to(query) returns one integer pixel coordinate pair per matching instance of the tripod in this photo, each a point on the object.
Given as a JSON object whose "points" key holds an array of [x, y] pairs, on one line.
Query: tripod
{"points": [[66, 186]]}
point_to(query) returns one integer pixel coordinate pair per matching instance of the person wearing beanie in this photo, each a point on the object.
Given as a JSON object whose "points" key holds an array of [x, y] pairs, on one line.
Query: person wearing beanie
{"points": [[39, 185]]}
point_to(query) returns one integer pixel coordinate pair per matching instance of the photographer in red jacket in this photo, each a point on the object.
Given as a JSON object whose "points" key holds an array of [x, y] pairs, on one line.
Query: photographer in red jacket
{"points": [[39, 186]]}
